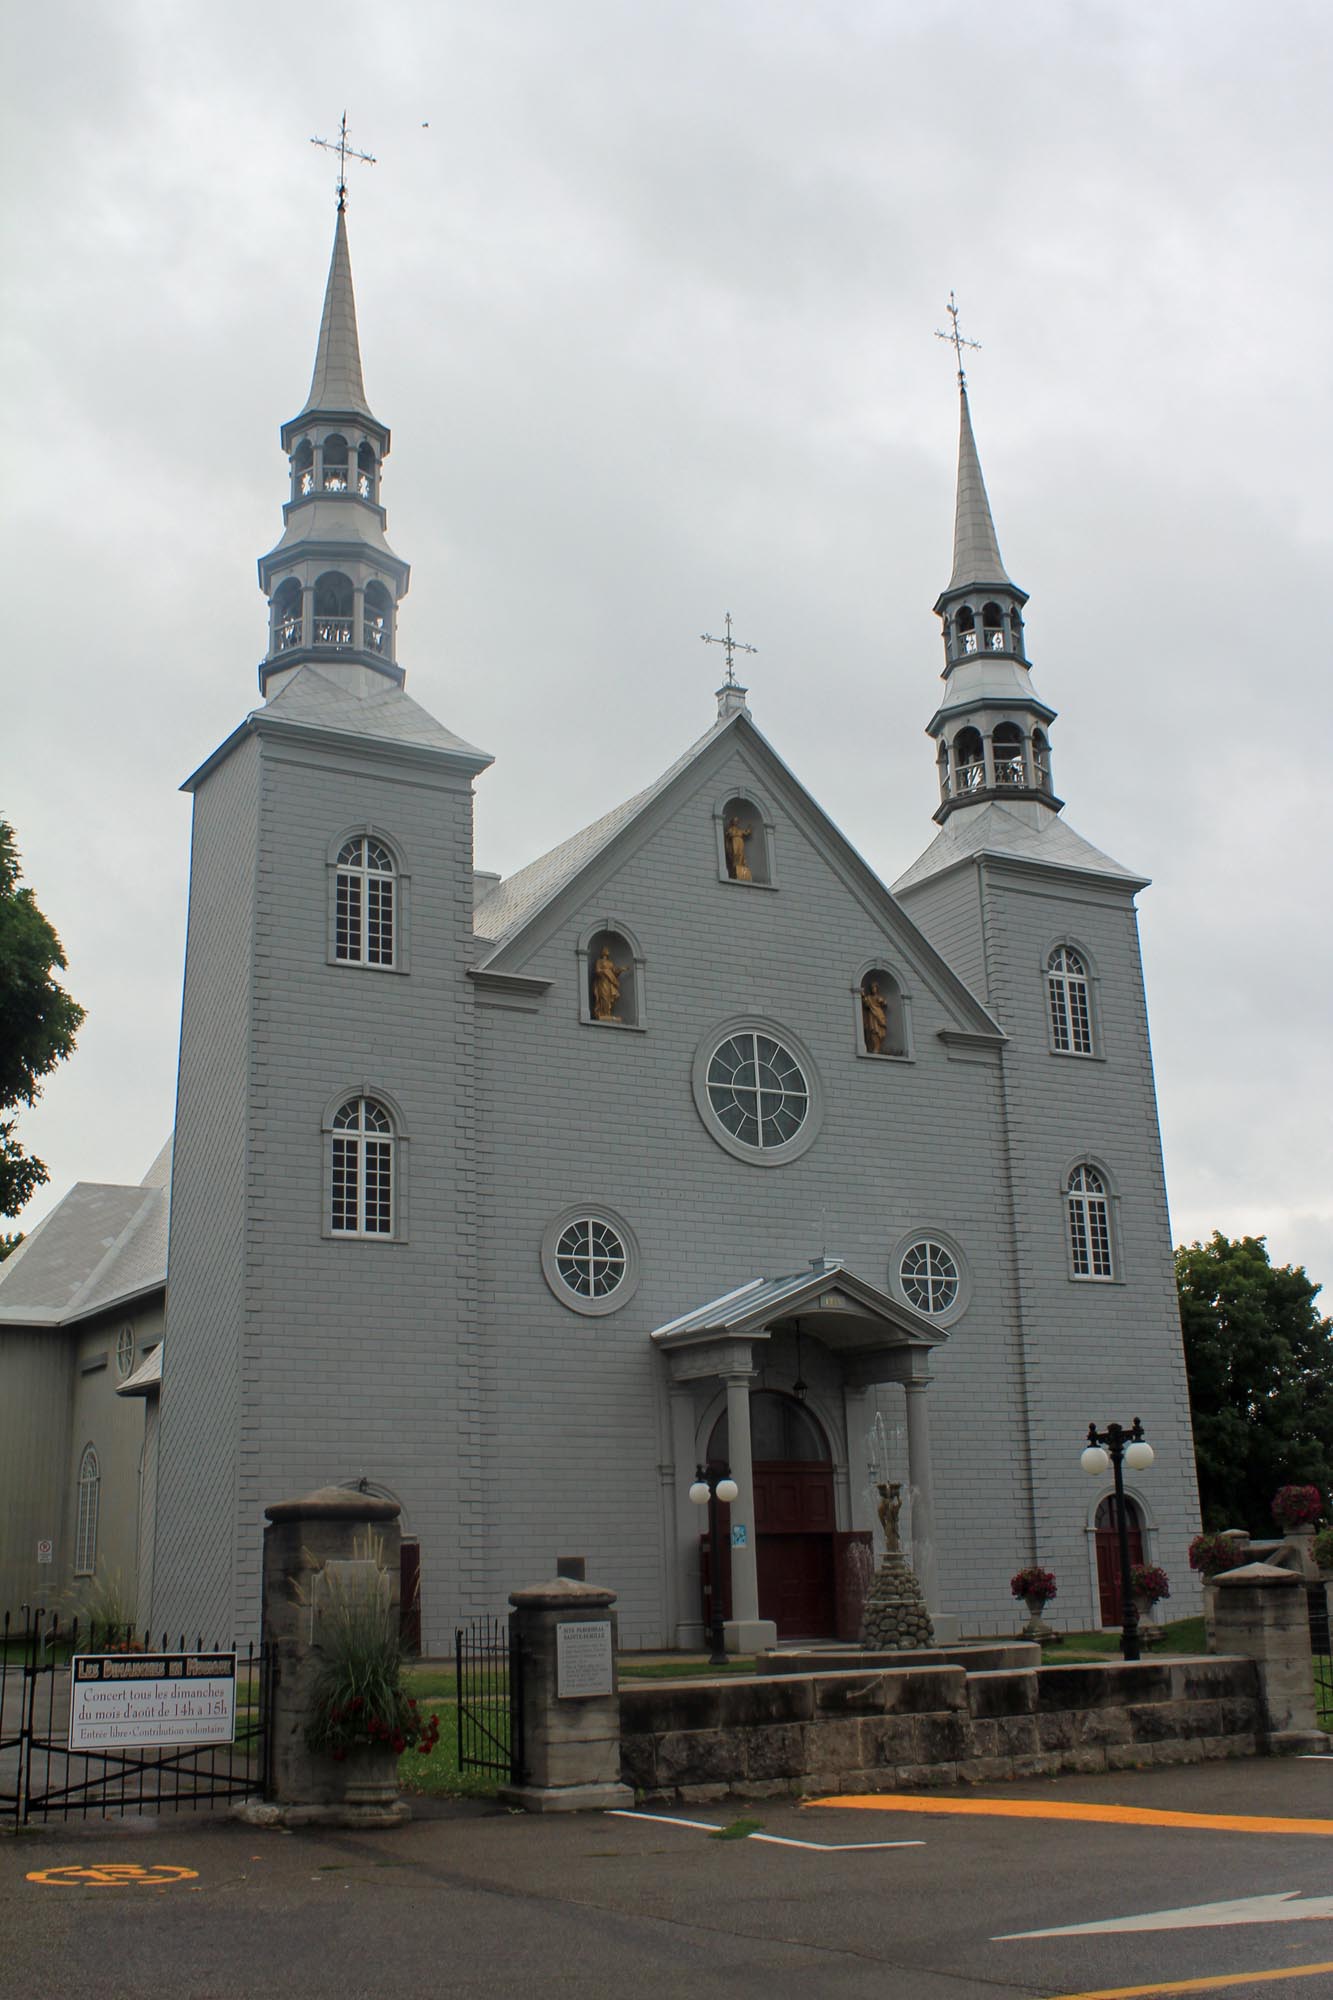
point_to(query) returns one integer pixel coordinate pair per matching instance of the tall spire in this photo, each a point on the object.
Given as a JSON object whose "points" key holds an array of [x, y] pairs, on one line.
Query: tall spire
{"points": [[991, 725], [976, 553], [336, 384], [333, 583]]}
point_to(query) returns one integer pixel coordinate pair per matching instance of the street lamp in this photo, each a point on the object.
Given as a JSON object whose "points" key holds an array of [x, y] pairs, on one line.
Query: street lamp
{"points": [[1117, 1447], [714, 1484]]}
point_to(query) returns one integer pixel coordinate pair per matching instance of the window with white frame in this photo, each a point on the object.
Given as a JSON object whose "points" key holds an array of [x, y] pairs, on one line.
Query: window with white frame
{"points": [[361, 1192], [1088, 1208], [590, 1258], [364, 915], [757, 1090], [929, 1277], [125, 1352], [1069, 999], [85, 1532]]}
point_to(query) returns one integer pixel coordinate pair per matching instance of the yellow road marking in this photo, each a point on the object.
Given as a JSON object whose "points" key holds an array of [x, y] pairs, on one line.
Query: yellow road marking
{"points": [[1202, 1985], [1075, 1809], [114, 1875]]}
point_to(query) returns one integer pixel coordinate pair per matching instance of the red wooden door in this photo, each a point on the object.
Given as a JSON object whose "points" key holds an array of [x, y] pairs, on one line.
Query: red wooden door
{"points": [[794, 1520], [1108, 1557]]}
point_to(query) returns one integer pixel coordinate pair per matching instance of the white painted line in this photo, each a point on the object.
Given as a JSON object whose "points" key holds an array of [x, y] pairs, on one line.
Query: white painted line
{"points": [[1287, 1907], [834, 1847], [663, 1819], [771, 1839]]}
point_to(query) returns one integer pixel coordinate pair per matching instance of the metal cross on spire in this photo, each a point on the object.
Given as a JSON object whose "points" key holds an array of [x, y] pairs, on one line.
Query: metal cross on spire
{"points": [[956, 341], [732, 646], [345, 153]]}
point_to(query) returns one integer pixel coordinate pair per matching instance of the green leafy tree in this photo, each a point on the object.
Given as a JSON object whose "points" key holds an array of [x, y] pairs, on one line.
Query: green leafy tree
{"points": [[9, 1243], [38, 1020], [1260, 1365]]}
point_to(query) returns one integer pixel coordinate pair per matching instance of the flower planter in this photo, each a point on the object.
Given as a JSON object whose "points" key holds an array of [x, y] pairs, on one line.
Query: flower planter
{"points": [[1036, 1627], [369, 1775], [1150, 1633]]}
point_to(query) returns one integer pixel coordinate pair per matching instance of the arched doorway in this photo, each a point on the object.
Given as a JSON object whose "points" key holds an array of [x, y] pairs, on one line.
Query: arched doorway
{"points": [[794, 1514], [1108, 1555]]}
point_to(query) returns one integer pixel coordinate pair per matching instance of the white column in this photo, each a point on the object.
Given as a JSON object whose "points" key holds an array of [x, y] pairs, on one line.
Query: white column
{"points": [[688, 1522], [746, 1632], [919, 1477]]}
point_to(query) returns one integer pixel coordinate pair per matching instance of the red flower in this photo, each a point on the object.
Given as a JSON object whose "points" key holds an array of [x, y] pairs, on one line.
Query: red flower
{"points": [[399, 1745], [338, 1753]]}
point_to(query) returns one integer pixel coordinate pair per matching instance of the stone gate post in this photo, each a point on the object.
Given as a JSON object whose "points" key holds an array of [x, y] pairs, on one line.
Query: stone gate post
{"points": [[564, 1633], [1261, 1613]]}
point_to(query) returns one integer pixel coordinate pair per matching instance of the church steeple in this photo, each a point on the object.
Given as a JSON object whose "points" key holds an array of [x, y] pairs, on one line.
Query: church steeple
{"points": [[333, 583], [991, 726]]}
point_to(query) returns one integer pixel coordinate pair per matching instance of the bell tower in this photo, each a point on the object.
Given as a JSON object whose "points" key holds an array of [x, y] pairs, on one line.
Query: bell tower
{"points": [[991, 727], [332, 582]]}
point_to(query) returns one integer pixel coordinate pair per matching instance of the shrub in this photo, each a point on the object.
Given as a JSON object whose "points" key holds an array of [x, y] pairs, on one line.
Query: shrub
{"points": [[1211, 1554], [1297, 1506], [1147, 1580], [358, 1696], [1323, 1548], [1034, 1582]]}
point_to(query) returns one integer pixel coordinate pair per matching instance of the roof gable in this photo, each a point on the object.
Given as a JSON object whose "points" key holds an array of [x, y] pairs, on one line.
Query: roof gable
{"points": [[526, 909]]}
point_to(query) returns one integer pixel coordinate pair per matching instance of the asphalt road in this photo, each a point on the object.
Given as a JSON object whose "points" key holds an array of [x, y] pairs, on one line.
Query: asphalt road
{"points": [[472, 1901]]}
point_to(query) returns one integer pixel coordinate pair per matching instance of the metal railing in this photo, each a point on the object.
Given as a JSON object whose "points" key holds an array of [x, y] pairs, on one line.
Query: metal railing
{"points": [[489, 1667]]}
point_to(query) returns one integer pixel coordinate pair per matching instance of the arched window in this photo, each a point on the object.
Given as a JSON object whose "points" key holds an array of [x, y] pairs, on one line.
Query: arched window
{"points": [[333, 609], [967, 628], [287, 615], [992, 620], [1088, 1209], [969, 768], [303, 469], [366, 472], [1041, 761], [782, 1432], [377, 621], [1007, 748], [361, 1162], [335, 464], [1069, 1001], [364, 926], [85, 1532]]}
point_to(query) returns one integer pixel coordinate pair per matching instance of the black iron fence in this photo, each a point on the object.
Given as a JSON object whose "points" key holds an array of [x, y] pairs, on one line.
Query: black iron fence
{"points": [[42, 1776], [1322, 1647], [489, 1668]]}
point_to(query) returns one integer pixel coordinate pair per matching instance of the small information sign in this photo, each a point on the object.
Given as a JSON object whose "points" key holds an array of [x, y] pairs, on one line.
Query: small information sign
{"points": [[740, 1536], [151, 1700], [45, 1551], [583, 1665]]}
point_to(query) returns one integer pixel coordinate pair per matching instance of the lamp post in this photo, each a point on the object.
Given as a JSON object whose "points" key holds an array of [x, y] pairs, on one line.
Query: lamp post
{"points": [[713, 1484], [1117, 1447]]}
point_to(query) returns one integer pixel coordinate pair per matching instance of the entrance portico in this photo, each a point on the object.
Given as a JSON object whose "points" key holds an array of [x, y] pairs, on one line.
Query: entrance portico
{"points": [[870, 1338]]}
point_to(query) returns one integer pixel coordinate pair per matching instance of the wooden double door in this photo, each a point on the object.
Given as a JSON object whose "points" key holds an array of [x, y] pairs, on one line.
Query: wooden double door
{"points": [[1108, 1556]]}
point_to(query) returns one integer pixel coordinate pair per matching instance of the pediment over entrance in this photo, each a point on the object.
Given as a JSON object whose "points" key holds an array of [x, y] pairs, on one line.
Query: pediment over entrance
{"points": [[875, 1338]]}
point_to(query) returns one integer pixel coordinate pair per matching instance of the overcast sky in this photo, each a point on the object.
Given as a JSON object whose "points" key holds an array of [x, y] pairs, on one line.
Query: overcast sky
{"points": [[647, 291]]}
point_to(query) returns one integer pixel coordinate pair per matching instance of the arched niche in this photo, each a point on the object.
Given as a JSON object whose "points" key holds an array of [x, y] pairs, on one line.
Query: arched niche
{"points": [[612, 990], [746, 848], [336, 478], [882, 1013]]}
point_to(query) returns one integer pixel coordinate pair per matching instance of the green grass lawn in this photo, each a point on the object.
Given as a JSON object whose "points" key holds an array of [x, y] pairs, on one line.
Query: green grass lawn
{"points": [[1185, 1635]]}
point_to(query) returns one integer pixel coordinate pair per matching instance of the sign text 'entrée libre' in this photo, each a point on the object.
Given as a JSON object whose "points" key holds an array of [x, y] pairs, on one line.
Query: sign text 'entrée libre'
{"points": [[583, 1664], [151, 1699]]}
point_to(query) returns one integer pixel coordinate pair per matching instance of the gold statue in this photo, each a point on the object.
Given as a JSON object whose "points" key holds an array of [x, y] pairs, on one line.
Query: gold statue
{"points": [[734, 837], [874, 1017], [606, 978], [890, 1507]]}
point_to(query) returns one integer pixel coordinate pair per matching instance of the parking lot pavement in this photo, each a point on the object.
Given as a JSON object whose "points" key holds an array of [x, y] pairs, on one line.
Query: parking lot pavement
{"points": [[474, 1901]]}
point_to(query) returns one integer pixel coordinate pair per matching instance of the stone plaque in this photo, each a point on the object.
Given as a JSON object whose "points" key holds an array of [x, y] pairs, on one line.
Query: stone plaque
{"points": [[583, 1659]]}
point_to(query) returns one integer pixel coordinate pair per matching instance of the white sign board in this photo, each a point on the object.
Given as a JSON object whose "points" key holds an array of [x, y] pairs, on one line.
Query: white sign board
{"points": [[583, 1664], [151, 1700], [45, 1551]]}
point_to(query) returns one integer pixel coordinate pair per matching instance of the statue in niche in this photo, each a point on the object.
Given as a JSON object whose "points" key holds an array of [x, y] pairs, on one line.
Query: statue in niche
{"points": [[890, 1507], [874, 1017], [606, 978], [734, 837]]}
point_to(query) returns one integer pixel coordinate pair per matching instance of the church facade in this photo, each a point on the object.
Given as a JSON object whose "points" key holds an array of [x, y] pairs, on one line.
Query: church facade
{"points": [[692, 1141]]}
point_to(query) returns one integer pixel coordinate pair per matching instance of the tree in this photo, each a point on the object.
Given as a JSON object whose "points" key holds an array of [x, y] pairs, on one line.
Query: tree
{"points": [[38, 1019], [1260, 1366]]}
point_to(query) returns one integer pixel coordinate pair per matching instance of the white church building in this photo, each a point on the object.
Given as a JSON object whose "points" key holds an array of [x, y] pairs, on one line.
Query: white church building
{"points": [[518, 1199]]}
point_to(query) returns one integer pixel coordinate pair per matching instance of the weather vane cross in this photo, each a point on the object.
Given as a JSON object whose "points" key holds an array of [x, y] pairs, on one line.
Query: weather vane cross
{"points": [[956, 340], [345, 153], [732, 646]]}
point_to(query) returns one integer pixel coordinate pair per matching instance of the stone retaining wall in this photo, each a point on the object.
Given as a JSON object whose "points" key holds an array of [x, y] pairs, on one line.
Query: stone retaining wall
{"points": [[907, 1727]]}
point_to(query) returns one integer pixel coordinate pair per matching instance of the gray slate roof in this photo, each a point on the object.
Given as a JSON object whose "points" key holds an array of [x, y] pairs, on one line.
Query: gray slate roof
{"points": [[336, 384], [1026, 832], [101, 1245], [501, 913], [976, 553], [314, 697]]}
